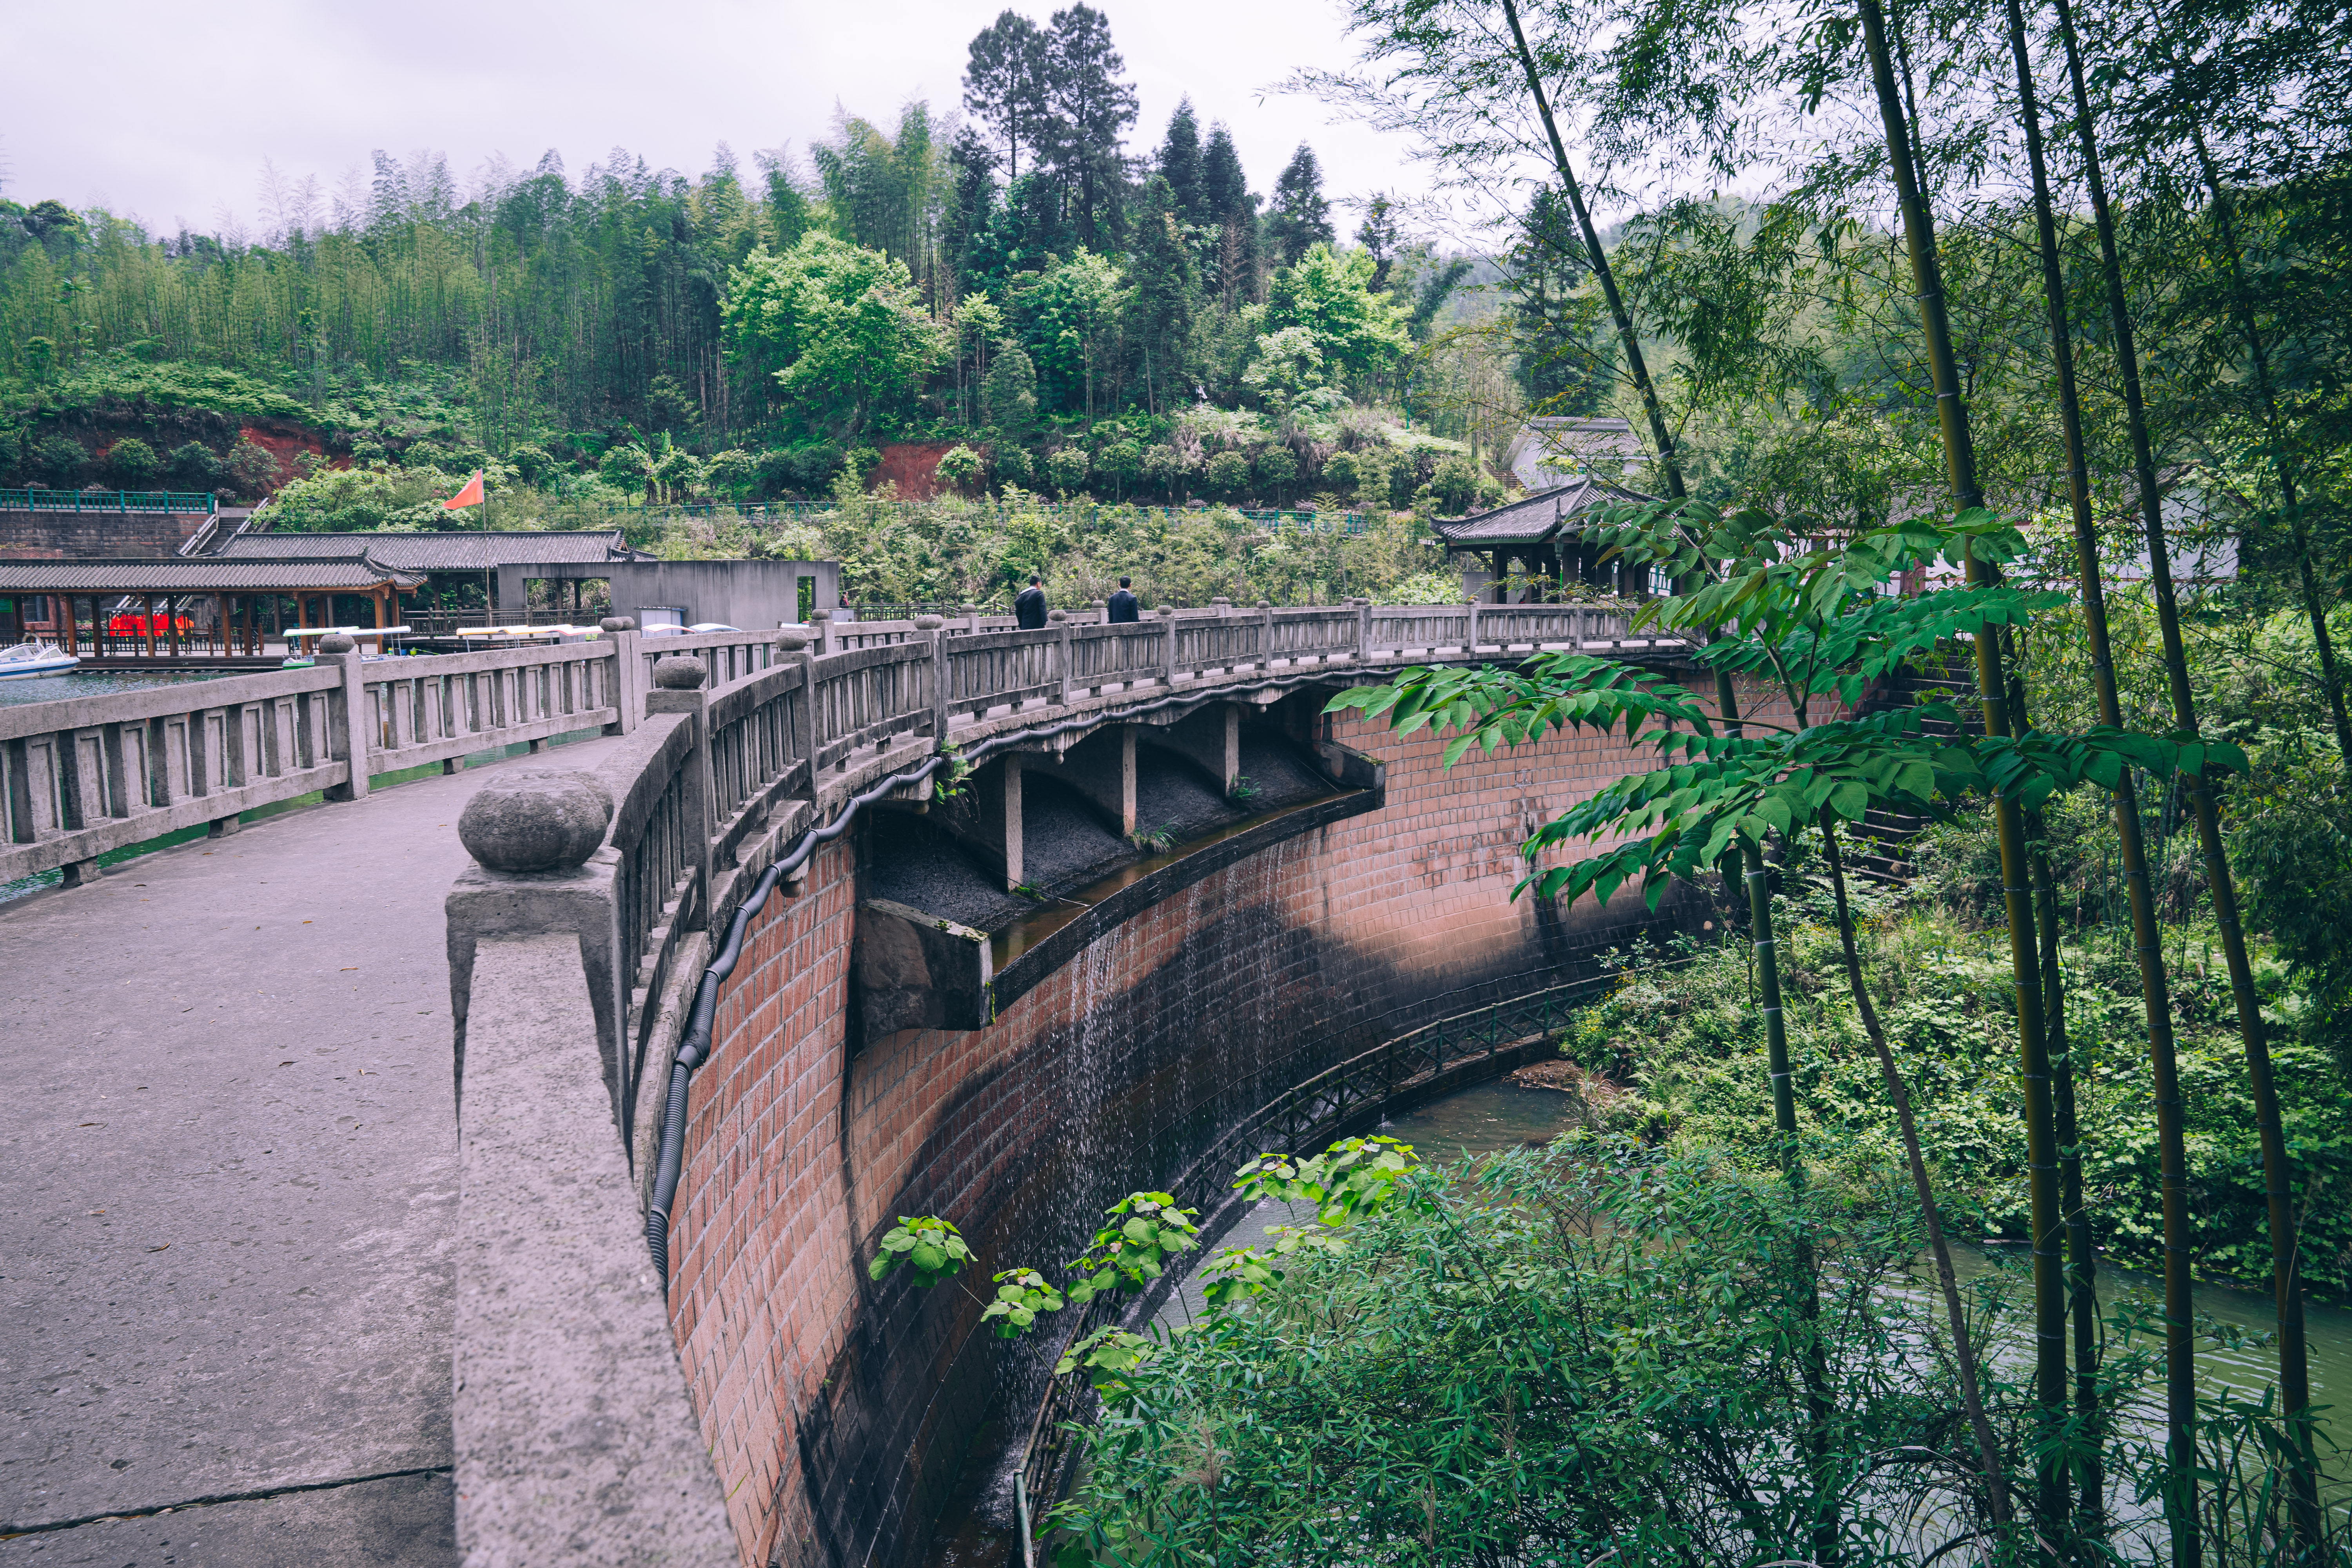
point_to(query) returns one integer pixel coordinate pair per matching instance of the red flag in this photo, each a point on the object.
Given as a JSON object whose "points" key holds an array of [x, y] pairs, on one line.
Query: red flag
{"points": [[470, 496]]}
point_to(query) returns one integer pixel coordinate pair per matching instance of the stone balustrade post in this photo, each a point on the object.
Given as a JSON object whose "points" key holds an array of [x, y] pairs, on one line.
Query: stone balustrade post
{"points": [[1363, 629], [934, 630], [822, 631], [971, 613], [679, 682], [1265, 635], [1058, 623], [628, 673], [347, 716], [793, 647], [1167, 614], [1470, 633]]}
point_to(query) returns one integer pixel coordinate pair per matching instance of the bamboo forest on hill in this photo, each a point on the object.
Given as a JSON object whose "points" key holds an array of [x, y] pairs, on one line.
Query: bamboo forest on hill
{"points": [[1991, 368]]}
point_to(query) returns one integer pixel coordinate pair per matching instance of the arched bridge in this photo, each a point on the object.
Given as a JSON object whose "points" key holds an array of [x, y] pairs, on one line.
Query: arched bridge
{"points": [[950, 917]]}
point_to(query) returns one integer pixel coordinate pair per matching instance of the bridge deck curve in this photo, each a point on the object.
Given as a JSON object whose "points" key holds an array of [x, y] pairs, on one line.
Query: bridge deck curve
{"points": [[233, 1193]]}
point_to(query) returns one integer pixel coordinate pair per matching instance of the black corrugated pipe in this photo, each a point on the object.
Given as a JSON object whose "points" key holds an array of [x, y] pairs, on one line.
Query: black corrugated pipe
{"points": [[695, 1048]]}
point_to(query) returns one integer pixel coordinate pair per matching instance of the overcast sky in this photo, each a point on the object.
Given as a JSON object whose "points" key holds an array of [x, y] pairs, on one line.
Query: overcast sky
{"points": [[190, 99]]}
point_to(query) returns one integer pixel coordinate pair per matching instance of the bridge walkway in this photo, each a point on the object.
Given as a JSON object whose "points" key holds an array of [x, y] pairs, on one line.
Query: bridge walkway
{"points": [[230, 1193]]}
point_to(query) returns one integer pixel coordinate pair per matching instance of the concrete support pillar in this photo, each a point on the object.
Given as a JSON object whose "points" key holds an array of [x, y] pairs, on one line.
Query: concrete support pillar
{"points": [[1102, 769], [1009, 802], [1211, 736]]}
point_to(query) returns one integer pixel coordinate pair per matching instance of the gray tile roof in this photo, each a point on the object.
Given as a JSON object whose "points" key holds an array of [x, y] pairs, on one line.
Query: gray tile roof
{"points": [[1534, 520], [449, 552], [203, 574]]}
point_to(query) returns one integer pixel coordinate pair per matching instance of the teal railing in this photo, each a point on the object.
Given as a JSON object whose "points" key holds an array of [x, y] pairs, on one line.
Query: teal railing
{"points": [[29, 500]]}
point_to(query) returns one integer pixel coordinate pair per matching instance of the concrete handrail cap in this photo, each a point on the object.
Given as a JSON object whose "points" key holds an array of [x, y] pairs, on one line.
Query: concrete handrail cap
{"points": [[539, 819], [336, 642], [1169, 610], [617, 624], [929, 623], [1057, 615], [791, 640], [679, 672]]}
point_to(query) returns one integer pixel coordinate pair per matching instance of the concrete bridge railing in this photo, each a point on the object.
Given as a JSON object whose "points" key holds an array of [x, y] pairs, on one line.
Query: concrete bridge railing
{"points": [[88, 775]]}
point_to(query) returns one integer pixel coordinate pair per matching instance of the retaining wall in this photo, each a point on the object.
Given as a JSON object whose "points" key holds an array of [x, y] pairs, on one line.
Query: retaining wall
{"points": [[838, 1413]]}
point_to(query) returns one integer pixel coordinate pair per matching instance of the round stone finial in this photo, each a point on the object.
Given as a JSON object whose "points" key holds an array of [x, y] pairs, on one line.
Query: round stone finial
{"points": [[791, 640], [1094, 605], [539, 819], [336, 642], [967, 609], [1168, 610], [679, 672], [1265, 603], [1057, 615], [1221, 604], [929, 623], [617, 624]]}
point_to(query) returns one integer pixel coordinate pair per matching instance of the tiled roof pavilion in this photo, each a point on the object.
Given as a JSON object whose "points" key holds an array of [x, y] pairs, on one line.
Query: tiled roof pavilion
{"points": [[1541, 536]]}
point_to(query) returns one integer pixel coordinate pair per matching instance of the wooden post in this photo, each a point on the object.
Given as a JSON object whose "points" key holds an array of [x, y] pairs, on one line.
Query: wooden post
{"points": [[149, 600], [221, 619], [73, 635]]}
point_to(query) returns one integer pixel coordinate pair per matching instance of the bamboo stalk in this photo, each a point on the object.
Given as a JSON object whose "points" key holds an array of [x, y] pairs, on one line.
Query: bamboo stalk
{"points": [[1635, 365], [1947, 1282], [2033, 1058], [2293, 1377], [2081, 1259]]}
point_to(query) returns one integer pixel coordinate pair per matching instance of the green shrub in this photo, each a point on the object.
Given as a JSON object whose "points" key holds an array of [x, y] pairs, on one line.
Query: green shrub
{"points": [[1455, 485], [1277, 469], [1342, 473], [960, 469], [1068, 468], [132, 463], [60, 461], [1228, 474]]}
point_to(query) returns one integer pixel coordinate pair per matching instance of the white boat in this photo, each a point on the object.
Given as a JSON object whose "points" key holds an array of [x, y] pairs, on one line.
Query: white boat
{"points": [[27, 659]]}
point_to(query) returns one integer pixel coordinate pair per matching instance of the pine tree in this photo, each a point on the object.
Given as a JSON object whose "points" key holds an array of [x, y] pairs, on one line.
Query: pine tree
{"points": [[1179, 161], [1378, 235], [1004, 85], [1166, 293], [1300, 215], [1089, 110], [972, 199], [1233, 244]]}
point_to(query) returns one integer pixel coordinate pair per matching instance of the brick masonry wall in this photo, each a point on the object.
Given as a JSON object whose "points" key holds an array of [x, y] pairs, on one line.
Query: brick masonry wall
{"points": [[838, 1410], [88, 535]]}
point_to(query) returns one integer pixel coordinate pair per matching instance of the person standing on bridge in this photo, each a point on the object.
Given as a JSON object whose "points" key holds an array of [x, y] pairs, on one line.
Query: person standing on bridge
{"points": [[1124, 610], [1029, 607]]}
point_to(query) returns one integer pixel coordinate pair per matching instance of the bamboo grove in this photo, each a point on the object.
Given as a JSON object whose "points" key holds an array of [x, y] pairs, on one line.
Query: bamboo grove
{"points": [[1956, 125]]}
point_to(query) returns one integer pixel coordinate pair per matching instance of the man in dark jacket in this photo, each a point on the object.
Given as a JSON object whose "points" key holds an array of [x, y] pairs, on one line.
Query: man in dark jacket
{"points": [[1123, 607], [1029, 607]]}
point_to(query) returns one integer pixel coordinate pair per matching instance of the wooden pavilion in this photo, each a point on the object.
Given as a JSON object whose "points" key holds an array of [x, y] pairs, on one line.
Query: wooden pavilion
{"points": [[250, 599], [1542, 539]]}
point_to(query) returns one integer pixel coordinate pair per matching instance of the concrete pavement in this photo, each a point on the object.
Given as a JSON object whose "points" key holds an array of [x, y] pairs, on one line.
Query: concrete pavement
{"points": [[227, 1186]]}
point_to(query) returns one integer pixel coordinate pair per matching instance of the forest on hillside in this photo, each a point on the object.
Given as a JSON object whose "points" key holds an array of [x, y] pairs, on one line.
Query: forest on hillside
{"points": [[1063, 301]]}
